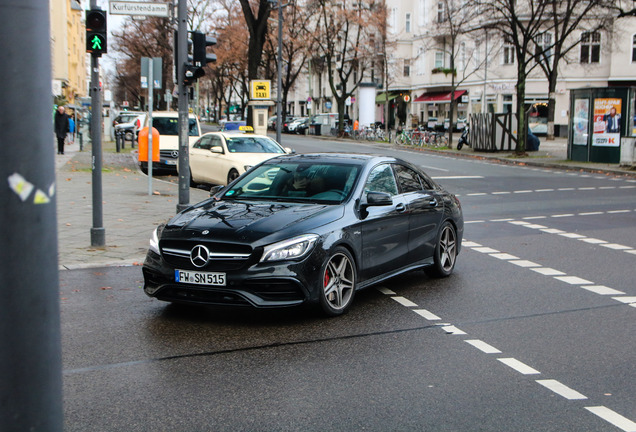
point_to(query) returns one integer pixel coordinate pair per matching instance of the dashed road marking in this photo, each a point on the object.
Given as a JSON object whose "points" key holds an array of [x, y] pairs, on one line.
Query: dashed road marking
{"points": [[483, 346], [520, 367], [613, 417], [561, 389]]}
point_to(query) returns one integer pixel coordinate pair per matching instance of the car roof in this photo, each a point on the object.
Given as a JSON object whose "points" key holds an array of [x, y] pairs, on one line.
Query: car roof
{"points": [[350, 158], [237, 134], [169, 114]]}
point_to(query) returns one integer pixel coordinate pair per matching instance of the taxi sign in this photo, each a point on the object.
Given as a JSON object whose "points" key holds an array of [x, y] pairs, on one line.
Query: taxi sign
{"points": [[246, 128], [260, 90]]}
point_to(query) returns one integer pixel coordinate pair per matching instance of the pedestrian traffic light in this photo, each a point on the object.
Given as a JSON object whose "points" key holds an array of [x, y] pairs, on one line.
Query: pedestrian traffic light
{"points": [[191, 74], [96, 34], [200, 41]]}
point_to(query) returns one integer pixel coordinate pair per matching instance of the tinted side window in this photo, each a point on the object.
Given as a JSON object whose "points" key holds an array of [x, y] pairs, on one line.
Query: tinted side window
{"points": [[381, 179], [408, 179], [203, 143]]}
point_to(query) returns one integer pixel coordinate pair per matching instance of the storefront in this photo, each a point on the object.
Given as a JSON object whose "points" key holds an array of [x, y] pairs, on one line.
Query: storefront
{"points": [[436, 105]]}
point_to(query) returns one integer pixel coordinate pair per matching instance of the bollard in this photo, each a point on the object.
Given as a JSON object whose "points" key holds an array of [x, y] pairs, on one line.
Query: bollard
{"points": [[117, 141], [81, 140]]}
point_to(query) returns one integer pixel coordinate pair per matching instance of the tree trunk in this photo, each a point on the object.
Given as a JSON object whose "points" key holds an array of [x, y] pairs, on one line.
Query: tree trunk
{"points": [[552, 83], [521, 109]]}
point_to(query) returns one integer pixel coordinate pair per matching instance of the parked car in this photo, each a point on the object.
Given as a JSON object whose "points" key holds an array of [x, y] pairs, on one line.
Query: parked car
{"points": [[128, 124], [306, 229], [220, 157], [301, 127], [291, 126], [167, 124], [232, 125]]}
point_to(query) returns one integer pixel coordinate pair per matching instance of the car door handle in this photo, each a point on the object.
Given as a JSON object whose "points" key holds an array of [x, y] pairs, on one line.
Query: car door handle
{"points": [[401, 208]]}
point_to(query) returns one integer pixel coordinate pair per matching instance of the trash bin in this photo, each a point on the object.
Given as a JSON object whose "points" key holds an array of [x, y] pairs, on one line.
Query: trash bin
{"points": [[315, 129]]}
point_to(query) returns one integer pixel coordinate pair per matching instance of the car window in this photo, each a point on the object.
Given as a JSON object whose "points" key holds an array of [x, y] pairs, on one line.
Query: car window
{"points": [[204, 143], [310, 182], [381, 179], [170, 126], [408, 179], [215, 141], [249, 144]]}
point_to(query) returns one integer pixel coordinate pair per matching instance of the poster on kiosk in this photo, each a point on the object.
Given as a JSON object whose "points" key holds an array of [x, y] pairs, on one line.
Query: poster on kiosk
{"points": [[607, 122]]}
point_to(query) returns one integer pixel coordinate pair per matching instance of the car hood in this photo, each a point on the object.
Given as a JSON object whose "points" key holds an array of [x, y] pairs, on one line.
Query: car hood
{"points": [[256, 223]]}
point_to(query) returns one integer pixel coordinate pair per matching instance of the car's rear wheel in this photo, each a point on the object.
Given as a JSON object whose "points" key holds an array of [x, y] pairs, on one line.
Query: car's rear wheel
{"points": [[232, 175], [338, 282], [445, 252], [192, 182]]}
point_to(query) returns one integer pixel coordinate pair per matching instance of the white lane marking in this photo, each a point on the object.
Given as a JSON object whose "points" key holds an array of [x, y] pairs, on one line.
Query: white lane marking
{"points": [[552, 231], [632, 251], [519, 222], [483, 346], [486, 250], [470, 244], [626, 300], [547, 271], [544, 190], [426, 314], [522, 191], [504, 256], [501, 220], [616, 246], [618, 211], [566, 189], [472, 222], [602, 290], [607, 187], [572, 235], [562, 215], [525, 263], [574, 280], [404, 301], [520, 367], [593, 240], [590, 213], [627, 187], [451, 329], [535, 226], [534, 217], [613, 417], [386, 291], [500, 193], [561, 389]]}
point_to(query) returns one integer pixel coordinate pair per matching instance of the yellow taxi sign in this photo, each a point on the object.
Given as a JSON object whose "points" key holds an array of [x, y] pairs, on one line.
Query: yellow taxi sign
{"points": [[260, 90], [246, 128]]}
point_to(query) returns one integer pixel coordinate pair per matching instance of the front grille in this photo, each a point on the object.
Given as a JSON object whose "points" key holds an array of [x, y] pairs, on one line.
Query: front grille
{"points": [[275, 290], [223, 256], [192, 295], [169, 154]]}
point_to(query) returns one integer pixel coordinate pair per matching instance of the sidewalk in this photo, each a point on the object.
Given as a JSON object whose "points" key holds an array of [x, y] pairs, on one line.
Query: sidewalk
{"points": [[130, 214]]}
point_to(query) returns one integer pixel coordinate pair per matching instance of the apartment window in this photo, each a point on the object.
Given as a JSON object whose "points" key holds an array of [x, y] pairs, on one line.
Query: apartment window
{"points": [[507, 103], [407, 24], [508, 52], [462, 56], [544, 46], [422, 12], [407, 67], [634, 49], [439, 59], [420, 62], [477, 54], [441, 12], [590, 47], [392, 16]]}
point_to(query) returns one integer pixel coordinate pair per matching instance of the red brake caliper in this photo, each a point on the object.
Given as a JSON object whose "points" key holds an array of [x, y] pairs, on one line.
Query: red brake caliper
{"points": [[327, 278]]}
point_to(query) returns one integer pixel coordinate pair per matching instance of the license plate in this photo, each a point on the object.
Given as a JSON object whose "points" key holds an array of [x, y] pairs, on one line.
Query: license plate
{"points": [[199, 278], [171, 162]]}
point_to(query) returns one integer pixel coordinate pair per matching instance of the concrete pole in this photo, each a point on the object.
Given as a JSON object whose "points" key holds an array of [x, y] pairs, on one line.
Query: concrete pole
{"points": [[98, 233], [279, 96], [30, 341]]}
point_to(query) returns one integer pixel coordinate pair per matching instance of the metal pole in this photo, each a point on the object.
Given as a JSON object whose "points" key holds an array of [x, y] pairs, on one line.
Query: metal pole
{"points": [[98, 237], [151, 91], [279, 98], [30, 340], [184, 159]]}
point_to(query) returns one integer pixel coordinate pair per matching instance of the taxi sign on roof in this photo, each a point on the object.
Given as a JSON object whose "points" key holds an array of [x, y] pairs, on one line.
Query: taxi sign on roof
{"points": [[246, 128]]}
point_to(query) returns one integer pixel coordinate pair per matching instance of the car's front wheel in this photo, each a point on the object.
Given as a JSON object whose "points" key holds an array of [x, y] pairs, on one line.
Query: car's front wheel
{"points": [[445, 252], [232, 175], [338, 282]]}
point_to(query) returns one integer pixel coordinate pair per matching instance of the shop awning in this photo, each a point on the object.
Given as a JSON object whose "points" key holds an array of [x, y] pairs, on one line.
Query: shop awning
{"points": [[439, 97], [381, 97]]}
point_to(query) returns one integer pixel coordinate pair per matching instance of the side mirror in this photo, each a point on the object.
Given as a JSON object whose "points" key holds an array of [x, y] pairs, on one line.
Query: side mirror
{"points": [[289, 150], [377, 199], [217, 149]]}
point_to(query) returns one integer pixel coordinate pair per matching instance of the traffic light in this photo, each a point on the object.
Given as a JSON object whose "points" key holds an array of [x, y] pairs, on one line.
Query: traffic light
{"points": [[199, 53], [96, 33], [192, 73]]}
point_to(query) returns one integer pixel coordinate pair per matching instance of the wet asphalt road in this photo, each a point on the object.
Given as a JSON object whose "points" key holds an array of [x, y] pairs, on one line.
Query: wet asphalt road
{"points": [[533, 332]]}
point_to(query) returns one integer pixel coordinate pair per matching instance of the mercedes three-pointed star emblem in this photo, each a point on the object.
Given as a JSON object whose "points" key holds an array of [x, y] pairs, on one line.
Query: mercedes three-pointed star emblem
{"points": [[199, 255]]}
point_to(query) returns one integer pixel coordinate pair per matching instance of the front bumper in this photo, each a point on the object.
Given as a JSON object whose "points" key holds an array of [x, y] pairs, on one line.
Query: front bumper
{"points": [[258, 285]]}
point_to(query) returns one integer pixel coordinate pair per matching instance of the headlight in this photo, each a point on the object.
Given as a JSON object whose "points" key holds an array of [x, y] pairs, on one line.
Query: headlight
{"points": [[294, 248], [154, 242]]}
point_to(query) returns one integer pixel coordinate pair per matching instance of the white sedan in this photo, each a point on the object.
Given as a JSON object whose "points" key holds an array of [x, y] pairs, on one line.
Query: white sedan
{"points": [[220, 157]]}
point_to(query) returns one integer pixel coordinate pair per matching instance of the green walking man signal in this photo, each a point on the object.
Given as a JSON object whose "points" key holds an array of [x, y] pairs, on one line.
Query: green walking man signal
{"points": [[96, 32]]}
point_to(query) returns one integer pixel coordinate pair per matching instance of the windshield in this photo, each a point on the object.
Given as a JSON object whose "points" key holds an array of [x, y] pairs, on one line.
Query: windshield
{"points": [[169, 126], [328, 183], [252, 144]]}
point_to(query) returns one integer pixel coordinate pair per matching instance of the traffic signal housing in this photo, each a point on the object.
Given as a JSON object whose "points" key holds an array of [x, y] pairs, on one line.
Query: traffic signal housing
{"points": [[200, 56], [96, 32]]}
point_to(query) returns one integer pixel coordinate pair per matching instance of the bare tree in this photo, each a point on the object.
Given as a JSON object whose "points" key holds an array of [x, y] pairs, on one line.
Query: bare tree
{"points": [[565, 17], [341, 39], [520, 23]]}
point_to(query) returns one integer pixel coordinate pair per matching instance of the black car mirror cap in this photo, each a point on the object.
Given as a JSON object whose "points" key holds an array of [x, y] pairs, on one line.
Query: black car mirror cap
{"points": [[216, 189], [377, 199]]}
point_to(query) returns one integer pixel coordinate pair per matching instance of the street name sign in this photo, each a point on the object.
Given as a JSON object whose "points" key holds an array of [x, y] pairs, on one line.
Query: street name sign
{"points": [[139, 8]]}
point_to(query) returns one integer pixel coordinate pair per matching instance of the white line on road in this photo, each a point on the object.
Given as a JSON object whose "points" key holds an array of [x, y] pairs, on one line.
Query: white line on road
{"points": [[483, 346], [520, 367], [561, 389], [613, 417], [426, 314], [404, 301]]}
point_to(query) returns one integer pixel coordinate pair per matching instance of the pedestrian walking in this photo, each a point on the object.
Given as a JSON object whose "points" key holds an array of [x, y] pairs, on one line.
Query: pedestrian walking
{"points": [[61, 128], [71, 129]]}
